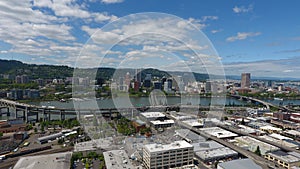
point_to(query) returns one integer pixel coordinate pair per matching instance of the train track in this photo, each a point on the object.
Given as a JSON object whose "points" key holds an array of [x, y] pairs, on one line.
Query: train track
{"points": [[10, 162]]}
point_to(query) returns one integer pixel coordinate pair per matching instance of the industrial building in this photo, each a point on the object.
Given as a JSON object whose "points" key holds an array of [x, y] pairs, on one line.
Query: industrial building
{"points": [[197, 123], [10, 126], [292, 133], [284, 159], [176, 154], [285, 124], [270, 129], [189, 136], [161, 123], [117, 159], [209, 151], [51, 137], [282, 142], [251, 144], [51, 161], [239, 164], [218, 132], [152, 116]]}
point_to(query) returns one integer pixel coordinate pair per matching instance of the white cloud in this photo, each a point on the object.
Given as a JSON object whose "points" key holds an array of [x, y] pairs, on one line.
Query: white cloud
{"points": [[266, 68], [242, 9], [216, 31], [111, 1], [242, 36], [68, 8]]}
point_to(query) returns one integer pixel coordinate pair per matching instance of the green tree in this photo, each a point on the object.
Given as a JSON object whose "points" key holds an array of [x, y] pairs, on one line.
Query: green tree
{"points": [[1, 134], [257, 151], [29, 127], [243, 121]]}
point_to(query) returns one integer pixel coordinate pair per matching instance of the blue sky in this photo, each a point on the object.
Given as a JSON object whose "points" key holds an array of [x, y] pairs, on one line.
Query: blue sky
{"points": [[261, 37]]}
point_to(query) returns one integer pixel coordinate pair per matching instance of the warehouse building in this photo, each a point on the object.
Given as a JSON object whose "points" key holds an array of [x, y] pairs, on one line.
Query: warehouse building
{"points": [[210, 151], [252, 144], [239, 164], [219, 132], [284, 159]]}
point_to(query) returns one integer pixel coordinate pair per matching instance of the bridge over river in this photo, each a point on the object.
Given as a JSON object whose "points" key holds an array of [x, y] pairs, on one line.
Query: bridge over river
{"points": [[29, 112]]}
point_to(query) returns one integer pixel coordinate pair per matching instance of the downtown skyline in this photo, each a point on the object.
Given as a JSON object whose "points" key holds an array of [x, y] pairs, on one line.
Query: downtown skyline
{"points": [[258, 37]]}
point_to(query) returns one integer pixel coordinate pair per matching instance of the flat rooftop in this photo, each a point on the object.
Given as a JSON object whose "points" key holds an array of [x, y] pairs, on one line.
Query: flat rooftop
{"points": [[247, 129], [270, 128], [284, 143], [51, 161], [240, 164], [207, 145], [157, 122], [189, 135], [93, 144], [173, 146], [216, 153], [193, 123], [249, 141], [293, 132], [152, 114], [117, 159], [286, 157], [218, 132], [279, 137]]}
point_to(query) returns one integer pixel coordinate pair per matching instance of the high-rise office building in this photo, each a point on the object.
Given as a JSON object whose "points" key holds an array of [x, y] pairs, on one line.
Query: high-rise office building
{"points": [[245, 80]]}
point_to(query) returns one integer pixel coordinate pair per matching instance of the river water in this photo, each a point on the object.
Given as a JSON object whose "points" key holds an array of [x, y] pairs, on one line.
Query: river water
{"points": [[145, 101]]}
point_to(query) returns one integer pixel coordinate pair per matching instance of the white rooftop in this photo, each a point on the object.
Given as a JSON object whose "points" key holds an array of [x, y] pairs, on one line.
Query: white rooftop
{"points": [[218, 132], [193, 122], [270, 128], [284, 143], [293, 132], [157, 122], [173, 146], [51, 161], [279, 137], [153, 114]]}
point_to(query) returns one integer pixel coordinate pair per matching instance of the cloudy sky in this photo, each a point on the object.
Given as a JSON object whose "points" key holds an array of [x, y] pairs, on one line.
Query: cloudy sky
{"points": [[259, 37]]}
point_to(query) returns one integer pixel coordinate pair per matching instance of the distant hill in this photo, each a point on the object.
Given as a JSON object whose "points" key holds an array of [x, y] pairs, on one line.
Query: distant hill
{"points": [[13, 68]]}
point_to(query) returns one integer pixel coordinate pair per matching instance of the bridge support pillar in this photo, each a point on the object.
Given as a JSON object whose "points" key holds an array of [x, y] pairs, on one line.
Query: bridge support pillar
{"points": [[37, 115], [16, 113], [25, 115], [49, 116], [62, 115]]}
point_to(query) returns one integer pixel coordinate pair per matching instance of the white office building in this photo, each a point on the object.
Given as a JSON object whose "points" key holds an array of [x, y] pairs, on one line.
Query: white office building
{"points": [[176, 154]]}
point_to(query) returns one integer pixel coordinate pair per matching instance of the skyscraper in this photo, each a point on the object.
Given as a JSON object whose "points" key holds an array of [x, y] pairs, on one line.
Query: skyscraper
{"points": [[245, 80]]}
